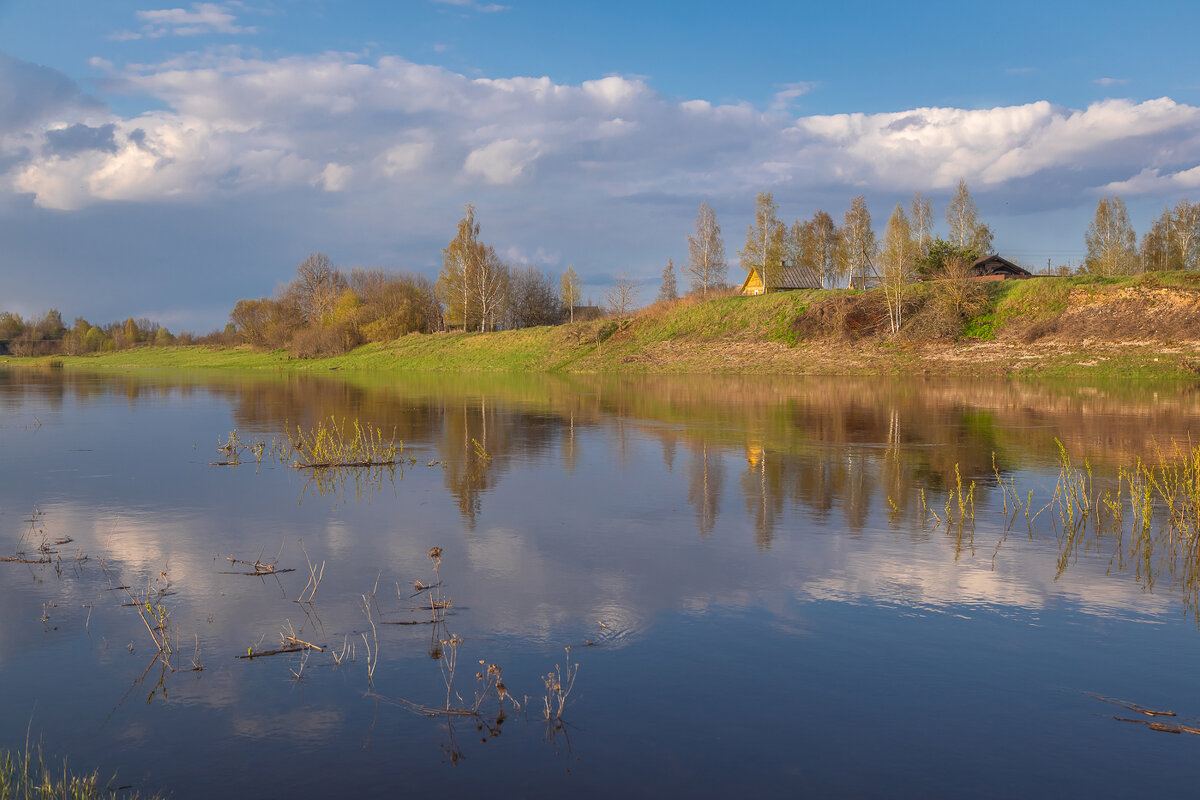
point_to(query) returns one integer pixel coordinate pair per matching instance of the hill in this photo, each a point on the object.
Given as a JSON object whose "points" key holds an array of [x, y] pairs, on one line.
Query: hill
{"points": [[1145, 325]]}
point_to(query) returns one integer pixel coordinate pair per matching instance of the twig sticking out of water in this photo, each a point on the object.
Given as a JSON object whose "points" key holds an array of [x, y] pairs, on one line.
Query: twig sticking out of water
{"points": [[314, 578]]}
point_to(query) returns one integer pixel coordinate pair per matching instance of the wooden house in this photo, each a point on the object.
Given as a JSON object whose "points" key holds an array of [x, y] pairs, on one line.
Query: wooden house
{"points": [[997, 268], [788, 279]]}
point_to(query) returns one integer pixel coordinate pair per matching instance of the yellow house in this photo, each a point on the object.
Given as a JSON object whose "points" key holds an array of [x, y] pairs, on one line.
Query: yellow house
{"points": [[790, 278]]}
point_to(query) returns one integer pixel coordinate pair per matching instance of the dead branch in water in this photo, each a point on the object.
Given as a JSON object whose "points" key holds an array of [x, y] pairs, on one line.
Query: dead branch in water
{"points": [[1164, 727], [305, 645], [1139, 709]]}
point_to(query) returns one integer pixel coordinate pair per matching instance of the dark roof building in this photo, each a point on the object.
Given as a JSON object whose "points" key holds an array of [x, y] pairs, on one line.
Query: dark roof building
{"points": [[998, 268]]}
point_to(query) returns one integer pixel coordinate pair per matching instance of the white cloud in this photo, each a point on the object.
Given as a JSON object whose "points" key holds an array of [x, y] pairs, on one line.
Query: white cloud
{"points": [[233, 125], [789, 92], [335, 177], [502, 161], [486, 8], [1152, 181], [1106, 82], [201, 18]]}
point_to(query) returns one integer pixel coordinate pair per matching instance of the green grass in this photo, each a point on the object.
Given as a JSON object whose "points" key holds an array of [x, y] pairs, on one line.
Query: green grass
{"points": [[681, 337], [26, 776]]}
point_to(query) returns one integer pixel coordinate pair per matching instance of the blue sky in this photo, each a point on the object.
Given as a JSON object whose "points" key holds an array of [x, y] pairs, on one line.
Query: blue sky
{"points": [[166, 160]]}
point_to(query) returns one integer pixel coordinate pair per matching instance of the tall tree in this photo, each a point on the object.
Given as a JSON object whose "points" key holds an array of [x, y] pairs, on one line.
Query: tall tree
{"points": [[1185, 234], [966, 229], [894, 267], [921, 217], [1155, 252], [764, 241], [622, 295], [821, 246], [316, 288], [569, 289], [856, 255], [795, 251], [706, 253], [1111, 243], [669, 290], [461, 260], [489, 286]]}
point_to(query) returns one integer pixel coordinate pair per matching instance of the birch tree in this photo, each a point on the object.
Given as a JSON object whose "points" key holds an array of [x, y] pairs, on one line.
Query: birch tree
{"points": [[921, 219], [821, 247], [966, 229], [894, 267], [706, 253], [460, 261], [764, 241], [857, 250], [1111, 243], [569, 289], [1185, 234], [489, 285], [1155, 252]]}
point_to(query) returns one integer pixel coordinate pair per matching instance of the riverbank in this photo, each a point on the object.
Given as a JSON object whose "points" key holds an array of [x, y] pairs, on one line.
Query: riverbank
{"points": [[1137, 327]]}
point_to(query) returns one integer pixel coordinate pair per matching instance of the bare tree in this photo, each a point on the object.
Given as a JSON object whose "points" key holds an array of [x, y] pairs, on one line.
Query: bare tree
{"points": [[1111, 242], [706, 253], [622, 295], [921, 218], [569, 289], [820, 249], [821, 245], [316, 288], [856, 255], [966, 229], [894, 268], [1155, 252], [489, 281], [669, 290], [764, 241], [1185, 234]]}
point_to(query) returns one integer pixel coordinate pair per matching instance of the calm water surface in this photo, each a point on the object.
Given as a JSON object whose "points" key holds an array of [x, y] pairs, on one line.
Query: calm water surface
{"points": [[743, 570]]}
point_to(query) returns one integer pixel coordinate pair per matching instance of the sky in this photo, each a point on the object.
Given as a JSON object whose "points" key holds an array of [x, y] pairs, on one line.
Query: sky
{"points": [[165, 161]]}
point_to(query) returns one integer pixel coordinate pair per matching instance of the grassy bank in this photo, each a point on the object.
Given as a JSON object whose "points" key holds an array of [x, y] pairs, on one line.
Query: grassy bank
{"points": [[26, 776], [1138, 327]]}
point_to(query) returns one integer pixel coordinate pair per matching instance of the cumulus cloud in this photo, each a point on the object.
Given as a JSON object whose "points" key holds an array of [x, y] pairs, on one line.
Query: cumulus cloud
{"points": [[501, 161], [235, 125], [31, 94]]}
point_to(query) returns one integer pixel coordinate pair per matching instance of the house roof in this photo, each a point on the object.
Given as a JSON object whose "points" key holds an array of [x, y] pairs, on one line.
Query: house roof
{"points": [[798, 277], [997, 265]]}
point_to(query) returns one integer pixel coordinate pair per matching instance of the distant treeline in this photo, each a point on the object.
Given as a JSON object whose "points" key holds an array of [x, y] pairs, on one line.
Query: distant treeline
{"points": [[48, 335], [325, 311]]}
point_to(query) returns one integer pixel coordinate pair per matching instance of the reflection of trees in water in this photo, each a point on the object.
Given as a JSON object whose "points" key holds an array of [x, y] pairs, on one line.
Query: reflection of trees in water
{"points": [[706, 477], [827, 446]]}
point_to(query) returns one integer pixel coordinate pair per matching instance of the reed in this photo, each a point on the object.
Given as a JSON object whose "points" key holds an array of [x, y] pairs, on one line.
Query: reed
{"points": [[338, 445]]}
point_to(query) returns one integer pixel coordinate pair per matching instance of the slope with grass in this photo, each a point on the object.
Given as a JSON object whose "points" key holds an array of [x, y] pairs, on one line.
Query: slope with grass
{"points": [[1143, 326]]}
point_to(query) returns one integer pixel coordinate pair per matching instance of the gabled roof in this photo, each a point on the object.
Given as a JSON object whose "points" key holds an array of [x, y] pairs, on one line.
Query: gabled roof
{"points": [[997, 265], [798, 277]]}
